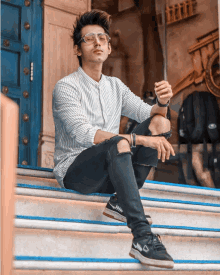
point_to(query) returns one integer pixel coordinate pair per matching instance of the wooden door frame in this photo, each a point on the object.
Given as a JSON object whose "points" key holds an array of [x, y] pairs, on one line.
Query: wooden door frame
{"points": [[36, 84]]}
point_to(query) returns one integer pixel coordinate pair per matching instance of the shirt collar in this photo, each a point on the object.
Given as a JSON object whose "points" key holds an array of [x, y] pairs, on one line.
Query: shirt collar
{"points": [[89, 79]]}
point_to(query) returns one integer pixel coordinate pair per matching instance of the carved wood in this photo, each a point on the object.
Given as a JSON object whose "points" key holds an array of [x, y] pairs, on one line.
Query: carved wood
{"points": [[201, 52], [197, 63], [216, 44]]}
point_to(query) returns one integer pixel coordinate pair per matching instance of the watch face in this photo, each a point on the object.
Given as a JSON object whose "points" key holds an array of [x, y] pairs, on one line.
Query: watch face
{"points": [[212, 76]]}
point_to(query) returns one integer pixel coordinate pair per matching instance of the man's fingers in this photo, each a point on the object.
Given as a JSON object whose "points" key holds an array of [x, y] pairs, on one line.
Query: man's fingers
{"points": [[164, 148], [163, 152], [159, 152], [172, 151]]}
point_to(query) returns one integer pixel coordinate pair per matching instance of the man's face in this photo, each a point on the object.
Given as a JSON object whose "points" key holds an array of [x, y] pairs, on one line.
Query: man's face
{"points": [[95, 52]]}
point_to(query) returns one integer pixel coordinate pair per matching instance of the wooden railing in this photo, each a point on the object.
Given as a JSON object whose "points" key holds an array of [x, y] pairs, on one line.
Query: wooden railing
{"points": [[9, 148], [178, 12]]}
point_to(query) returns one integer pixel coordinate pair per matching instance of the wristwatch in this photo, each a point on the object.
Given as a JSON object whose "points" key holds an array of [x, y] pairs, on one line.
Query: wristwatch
{"points": [[162, 105]]}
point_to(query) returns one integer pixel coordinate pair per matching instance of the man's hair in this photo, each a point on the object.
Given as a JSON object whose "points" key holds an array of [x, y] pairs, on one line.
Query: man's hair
{"points": [[93, 17]]}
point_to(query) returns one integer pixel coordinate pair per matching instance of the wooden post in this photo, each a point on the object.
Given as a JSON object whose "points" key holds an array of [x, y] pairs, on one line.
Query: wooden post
{"points": [[9, 154]]}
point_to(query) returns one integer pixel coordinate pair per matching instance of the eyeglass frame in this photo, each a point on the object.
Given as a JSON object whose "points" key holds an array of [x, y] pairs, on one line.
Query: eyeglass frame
{"points": [[82, 39]]}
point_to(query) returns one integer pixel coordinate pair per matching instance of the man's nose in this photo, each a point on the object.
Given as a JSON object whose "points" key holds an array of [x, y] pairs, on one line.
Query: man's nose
{"points": [[97, 41]]}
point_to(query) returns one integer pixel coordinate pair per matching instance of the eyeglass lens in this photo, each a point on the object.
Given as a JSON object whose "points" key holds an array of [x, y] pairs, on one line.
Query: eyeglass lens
{"points": [[90, 38]]}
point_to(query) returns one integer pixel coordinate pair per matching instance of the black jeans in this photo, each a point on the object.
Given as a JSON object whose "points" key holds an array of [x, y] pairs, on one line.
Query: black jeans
{"points": [[102, 169]]}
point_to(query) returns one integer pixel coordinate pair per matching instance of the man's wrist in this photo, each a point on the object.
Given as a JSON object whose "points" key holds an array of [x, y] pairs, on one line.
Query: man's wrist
{"points": [[139, 140], [162, 105]]}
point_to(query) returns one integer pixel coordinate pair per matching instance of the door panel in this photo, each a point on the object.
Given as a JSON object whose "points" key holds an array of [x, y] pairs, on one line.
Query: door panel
{"points": [[16, 39], [10, 20]]}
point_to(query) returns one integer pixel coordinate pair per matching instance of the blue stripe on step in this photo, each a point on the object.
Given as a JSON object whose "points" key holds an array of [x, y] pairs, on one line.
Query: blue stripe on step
{"points": [[181, 201], [68, 259], [67, 220], [109, 195], [34, 168], [102, 260], [181, 185], [114, 223]]}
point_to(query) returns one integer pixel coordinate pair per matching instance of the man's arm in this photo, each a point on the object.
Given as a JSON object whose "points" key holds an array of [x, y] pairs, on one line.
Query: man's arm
{"points": [[67, 108], [156, 110], [163, 147], [164, 93]]}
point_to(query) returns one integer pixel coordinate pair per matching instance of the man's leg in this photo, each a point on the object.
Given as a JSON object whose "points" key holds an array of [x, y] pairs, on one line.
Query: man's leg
{"points": [[114, 155], [122, 177], [145, 158], [146, 246]]}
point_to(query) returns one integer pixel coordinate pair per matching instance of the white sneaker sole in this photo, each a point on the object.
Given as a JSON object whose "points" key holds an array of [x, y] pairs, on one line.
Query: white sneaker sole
{"points": [[158, 263], [114, 215]]}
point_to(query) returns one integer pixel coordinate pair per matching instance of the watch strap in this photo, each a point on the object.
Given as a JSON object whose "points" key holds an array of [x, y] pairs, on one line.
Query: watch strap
{"points": [[162, 105]]}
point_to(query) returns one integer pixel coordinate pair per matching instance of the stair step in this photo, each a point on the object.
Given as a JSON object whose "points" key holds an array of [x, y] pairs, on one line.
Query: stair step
{"points": [[35, 171], [62, 193], [93, 210], [116, 272], [167, 190], [58, 230], [86, 240], [51, 223], [103, 264], [152, 189]]}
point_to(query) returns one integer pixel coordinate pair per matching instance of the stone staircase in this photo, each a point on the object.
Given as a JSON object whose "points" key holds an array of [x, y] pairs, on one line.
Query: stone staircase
{"points": [[59, 231]]}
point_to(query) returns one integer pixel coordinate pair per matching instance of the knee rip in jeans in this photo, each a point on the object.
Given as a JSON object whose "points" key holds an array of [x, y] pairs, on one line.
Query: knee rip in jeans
{"points": [[123, 146]]}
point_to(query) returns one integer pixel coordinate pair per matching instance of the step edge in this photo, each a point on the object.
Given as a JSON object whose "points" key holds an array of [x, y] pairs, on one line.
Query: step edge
{"points": [[182, 185], [109, 229], [82, 221], [63, 190], [124, 260], [35, 265], [180, 189]]}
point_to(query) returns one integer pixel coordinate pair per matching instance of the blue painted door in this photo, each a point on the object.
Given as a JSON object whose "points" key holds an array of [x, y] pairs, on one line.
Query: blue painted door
{"points": [[17, 72]]}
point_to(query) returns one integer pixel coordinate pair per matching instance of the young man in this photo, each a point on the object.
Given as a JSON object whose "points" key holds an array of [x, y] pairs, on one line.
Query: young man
{"points": [[90, 155]]}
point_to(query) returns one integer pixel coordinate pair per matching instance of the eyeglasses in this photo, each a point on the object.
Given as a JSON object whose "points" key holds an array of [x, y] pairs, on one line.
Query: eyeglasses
{"points": [[90, 38]]}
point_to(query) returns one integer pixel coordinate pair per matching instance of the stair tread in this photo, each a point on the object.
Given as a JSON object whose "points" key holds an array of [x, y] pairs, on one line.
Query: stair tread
{"points": [[113, 223], [109, 195], [75, 259]]}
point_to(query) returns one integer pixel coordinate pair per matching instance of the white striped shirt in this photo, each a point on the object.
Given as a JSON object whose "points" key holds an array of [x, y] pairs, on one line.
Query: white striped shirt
{"points": [[81, 106]]}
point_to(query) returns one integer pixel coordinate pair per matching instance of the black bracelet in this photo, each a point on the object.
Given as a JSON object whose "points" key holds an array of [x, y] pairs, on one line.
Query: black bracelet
{"points": [[131, 141], [162, 105], [134, 140]]}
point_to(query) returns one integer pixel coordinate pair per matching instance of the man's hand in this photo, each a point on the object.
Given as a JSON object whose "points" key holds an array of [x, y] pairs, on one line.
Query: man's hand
{"points": [[163, 91], [163, 147]]}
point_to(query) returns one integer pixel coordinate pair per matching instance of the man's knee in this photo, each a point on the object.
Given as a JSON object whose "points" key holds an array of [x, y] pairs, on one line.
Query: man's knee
{"points": [[123, 146], [159, 125]]}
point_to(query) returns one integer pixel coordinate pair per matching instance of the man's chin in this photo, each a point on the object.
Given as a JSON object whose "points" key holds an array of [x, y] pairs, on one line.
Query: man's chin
{"points": [[99, 60]]}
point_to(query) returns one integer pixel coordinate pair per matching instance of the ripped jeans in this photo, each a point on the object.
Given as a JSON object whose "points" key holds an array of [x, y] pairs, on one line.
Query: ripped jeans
{"points": [[102, 169]]}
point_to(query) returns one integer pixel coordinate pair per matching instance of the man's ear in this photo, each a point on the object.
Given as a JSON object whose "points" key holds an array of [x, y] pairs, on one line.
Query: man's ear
{"points": [[109, 48], [77, 50]]}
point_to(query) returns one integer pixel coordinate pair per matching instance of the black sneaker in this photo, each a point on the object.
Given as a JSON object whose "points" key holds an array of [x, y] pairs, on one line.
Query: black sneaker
{"points": [[149, 250], [113, 210]]}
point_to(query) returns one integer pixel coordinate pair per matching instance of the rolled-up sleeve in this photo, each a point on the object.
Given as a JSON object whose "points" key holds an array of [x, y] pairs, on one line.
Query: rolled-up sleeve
{"points": [[133, 106], [68, 110]]}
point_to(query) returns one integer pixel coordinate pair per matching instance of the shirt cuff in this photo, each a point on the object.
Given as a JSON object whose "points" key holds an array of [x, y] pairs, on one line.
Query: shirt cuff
{"points": [[146, 114], [91, 135]]}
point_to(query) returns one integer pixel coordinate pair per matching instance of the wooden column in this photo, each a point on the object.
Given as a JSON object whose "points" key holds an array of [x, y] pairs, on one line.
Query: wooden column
{"points": [[9, 155], [58, 61]]}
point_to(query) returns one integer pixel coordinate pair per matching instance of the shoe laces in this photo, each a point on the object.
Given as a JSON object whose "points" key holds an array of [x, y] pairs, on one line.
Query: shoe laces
{"points": [[155, 241]]}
